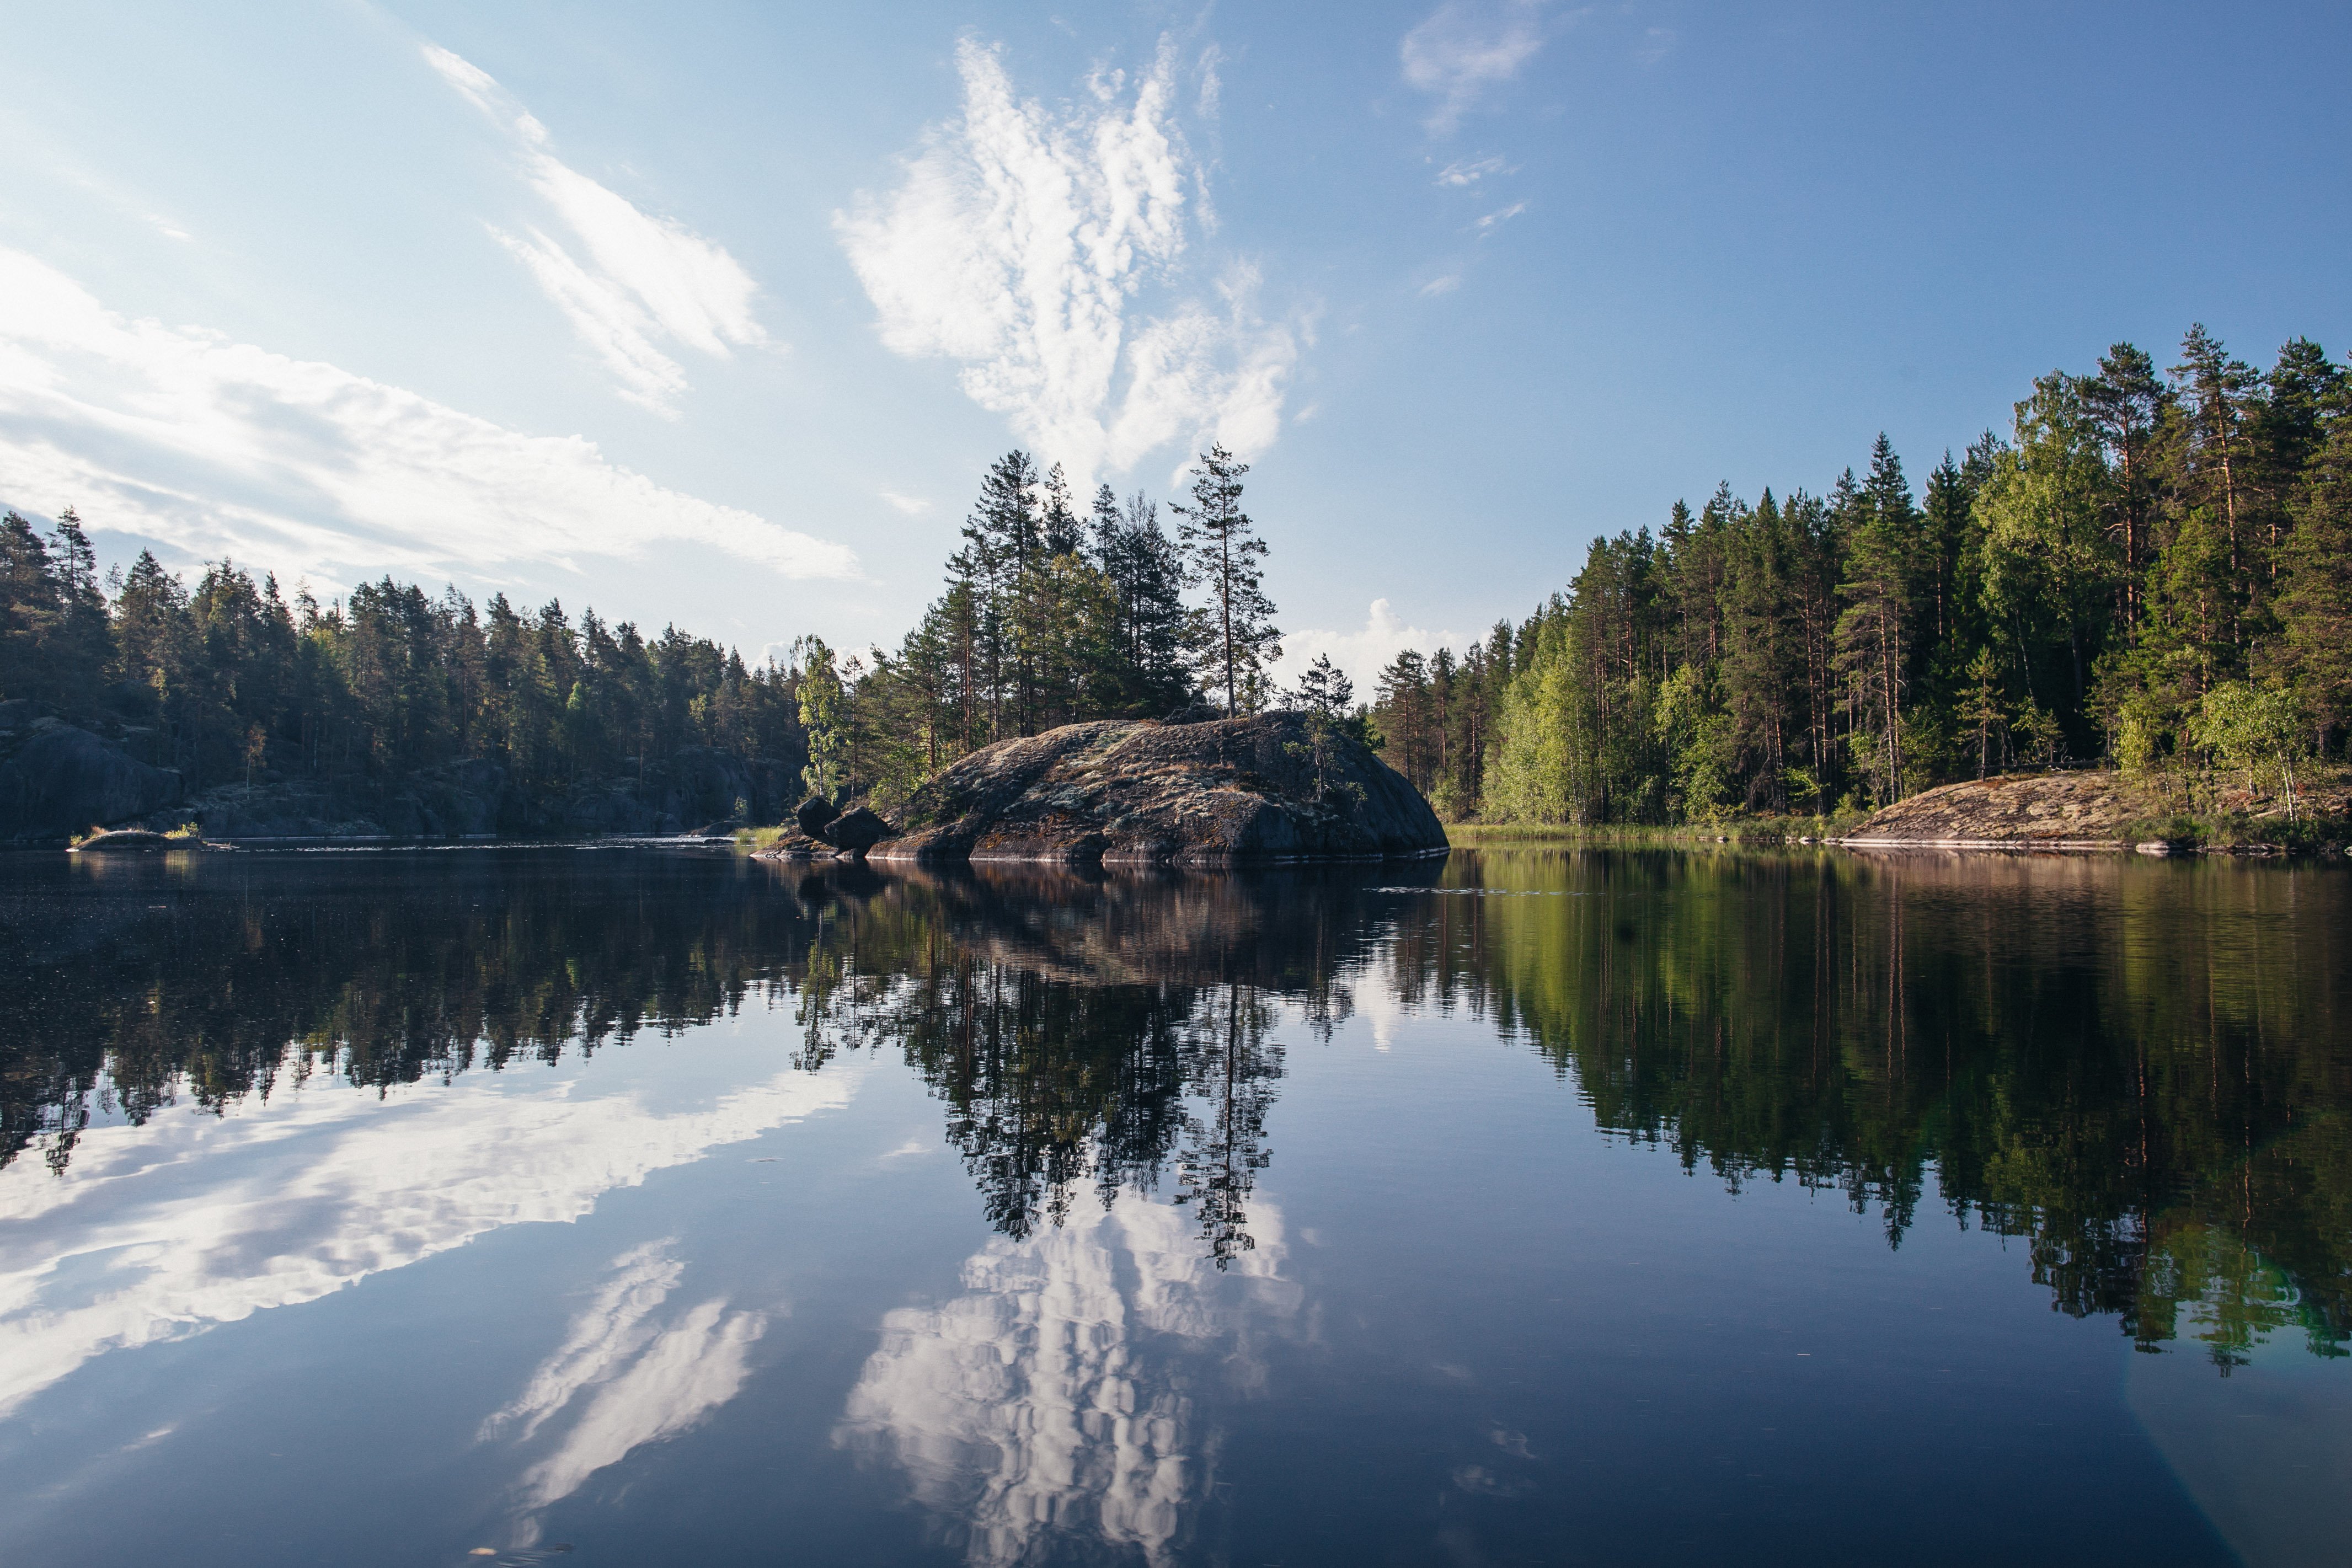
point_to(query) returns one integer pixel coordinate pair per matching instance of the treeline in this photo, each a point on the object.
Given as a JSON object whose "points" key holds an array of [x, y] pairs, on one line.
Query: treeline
{"points": [[2152, 570], [1048, 617], [230, 682]]}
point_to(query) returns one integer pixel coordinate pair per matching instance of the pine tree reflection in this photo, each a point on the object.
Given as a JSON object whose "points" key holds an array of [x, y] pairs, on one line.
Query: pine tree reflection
{"points": [[1085, 1031], [2141, 1071]]}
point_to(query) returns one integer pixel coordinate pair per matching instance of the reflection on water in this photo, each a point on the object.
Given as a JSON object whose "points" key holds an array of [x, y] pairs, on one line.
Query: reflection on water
{"points": [[637, 1377], [1050, 1398], [2139, 1071]]}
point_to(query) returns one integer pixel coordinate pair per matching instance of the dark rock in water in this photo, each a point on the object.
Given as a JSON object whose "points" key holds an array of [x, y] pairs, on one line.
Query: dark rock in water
{"points": [[814, 813], [64, 780], [801, 847], [1273, 788], [858, 830]]}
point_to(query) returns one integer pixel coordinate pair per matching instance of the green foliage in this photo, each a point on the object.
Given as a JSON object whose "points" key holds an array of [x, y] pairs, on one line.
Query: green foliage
{"points": [[2258, 732], [825, 717]]}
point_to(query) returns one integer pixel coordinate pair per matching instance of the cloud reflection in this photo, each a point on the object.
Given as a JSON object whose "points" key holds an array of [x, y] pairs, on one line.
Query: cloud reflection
{"points": [[1038, 1404], [166, 1230]]}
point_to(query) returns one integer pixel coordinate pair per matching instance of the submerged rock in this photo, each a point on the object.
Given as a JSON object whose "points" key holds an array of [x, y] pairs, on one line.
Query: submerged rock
{"points": [[1266, 789]]}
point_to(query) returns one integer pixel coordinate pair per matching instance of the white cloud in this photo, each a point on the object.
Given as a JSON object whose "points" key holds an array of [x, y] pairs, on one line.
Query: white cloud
{"points": [[1657, 43], [1211, 86], [1362, 655], [1469, 171], [1445, 285], [1492, 220], [1022, 241], [646, 277], [1466, 47], [912, 506], [215, 447]]}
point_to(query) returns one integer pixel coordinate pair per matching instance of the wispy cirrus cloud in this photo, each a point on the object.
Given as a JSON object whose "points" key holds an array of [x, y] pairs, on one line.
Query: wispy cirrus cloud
{"points": [[215, 447], [1488, 223], [1469, 171], [1045, 248], [1464, 47], [646, 281]]}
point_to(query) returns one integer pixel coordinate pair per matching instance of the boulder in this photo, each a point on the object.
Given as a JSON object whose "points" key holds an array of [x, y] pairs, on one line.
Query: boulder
{"points": [[64, 780], [800, 847], [856, 830], [814, 813], [1273, 788]]}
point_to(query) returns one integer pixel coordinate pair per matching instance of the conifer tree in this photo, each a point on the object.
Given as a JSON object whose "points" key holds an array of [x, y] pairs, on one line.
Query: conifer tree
{"points": [[1235, 637]]}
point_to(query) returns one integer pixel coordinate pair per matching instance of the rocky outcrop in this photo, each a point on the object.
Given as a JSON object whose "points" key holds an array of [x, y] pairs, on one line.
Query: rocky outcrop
{"points": [[61, 781], [1269, 788], [2054, 810]]}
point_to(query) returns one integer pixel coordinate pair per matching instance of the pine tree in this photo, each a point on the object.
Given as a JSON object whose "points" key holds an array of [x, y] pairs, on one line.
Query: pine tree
{"points": [[1876, 632], [1324, 689], [30, 613], [2126, 403], [1235, 638], [2218, 394], [2314, 656]]}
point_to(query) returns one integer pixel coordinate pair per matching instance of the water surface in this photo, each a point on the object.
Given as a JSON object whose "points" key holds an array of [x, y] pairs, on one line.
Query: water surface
{"points": [[629, 1207]]}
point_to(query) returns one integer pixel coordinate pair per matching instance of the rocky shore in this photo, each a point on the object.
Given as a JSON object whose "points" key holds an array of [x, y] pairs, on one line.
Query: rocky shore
{"points": [[2088, 810], [1271, 789]]}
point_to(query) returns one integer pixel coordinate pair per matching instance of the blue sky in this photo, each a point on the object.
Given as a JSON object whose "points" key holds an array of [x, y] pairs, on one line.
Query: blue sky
{"points": [[713, 313]]}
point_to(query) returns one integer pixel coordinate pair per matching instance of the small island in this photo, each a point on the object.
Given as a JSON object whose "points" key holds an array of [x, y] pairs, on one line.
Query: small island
{"points": [[1273, 788]]}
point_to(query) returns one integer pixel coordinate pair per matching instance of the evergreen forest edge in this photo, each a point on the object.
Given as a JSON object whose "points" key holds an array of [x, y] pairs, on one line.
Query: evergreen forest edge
{"points": [[2152, 570]]}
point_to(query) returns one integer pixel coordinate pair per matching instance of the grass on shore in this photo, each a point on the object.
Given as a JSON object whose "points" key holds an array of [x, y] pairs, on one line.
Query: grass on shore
{"points": [[1736, 831], [2223, 832], [2237, 831]]}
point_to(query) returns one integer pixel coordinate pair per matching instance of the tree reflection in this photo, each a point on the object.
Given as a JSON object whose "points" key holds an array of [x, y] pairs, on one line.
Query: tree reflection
{"points": [[2139, 1070]]}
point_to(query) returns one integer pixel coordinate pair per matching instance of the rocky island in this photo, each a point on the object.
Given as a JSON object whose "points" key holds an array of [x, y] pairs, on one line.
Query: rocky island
{"points": [[1274, 788]]}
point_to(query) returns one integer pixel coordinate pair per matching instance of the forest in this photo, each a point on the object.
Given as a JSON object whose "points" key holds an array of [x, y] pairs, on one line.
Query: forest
{"points": [[2148, 570]]}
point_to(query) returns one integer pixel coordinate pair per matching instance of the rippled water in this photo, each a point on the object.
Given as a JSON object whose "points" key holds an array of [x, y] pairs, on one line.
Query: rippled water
{"points": [[629, 1207]]}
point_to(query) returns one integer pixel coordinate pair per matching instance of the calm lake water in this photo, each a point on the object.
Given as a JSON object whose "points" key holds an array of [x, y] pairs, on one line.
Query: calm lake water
{"points": [[636, 1206]]}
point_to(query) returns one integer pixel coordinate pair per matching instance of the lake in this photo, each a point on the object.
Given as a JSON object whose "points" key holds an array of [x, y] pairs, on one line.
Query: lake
{"points": [[629, 1207]]}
